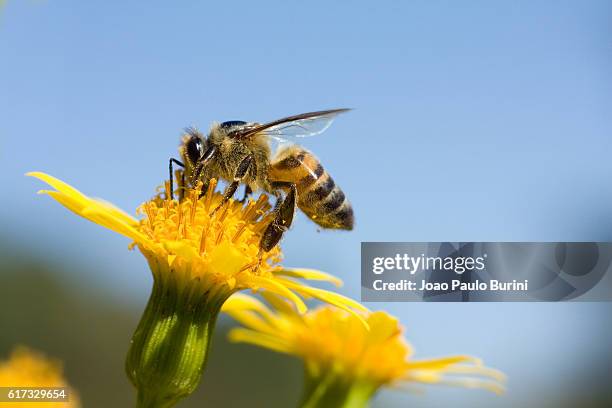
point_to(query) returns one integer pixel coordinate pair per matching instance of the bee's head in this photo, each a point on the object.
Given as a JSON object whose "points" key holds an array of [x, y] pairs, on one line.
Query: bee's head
{"points": [[194, 146]]}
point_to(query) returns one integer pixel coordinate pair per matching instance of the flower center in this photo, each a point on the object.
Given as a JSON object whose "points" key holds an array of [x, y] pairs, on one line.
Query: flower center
{"points": [[224, 245]]}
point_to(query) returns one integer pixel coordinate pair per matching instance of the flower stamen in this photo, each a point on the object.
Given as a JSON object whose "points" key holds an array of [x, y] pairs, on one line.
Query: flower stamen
{"points": [[239, 232], [203, 237]]}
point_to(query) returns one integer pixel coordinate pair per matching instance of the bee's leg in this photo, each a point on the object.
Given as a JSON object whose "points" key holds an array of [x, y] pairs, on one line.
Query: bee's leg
{"points": [[284, 211], [204, 188], [242, 170], [205, 158], [178, 163], [199, 167], [247, 193]]}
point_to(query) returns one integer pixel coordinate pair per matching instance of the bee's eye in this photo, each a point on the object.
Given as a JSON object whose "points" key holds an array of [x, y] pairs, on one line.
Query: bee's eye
{"points": [[194, 149]]}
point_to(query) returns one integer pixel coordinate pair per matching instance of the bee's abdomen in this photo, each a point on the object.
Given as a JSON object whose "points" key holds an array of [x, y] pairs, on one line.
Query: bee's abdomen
{"points": [[318, 195]]}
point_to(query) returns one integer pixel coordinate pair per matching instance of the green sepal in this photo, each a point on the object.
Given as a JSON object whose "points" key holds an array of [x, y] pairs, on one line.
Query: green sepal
{"points": [[170, 346]]}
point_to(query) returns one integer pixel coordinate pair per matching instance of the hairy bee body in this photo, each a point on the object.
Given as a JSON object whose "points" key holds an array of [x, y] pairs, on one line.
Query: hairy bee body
{"points": [[318, 195], [239, 153]]}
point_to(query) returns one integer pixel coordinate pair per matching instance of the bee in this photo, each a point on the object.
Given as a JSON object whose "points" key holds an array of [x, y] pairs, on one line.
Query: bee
{"points": [[240, 152]]}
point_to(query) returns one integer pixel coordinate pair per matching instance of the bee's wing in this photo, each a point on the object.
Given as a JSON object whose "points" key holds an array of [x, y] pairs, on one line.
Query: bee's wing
{"points": [[302, 125]]}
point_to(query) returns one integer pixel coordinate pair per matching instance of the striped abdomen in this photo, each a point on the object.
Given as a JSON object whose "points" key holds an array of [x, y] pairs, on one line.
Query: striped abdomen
{"points": [[318, 195]]}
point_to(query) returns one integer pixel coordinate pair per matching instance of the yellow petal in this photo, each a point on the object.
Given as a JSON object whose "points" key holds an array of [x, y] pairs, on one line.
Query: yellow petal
{"points": [[468, 382], [240, 301], [310, 274], [116, 211], [182, 249], [58, 185], [101, 213], [77, 196], [275, 287], [440, 363], [258, 339], [477, 370], [107, 220], [80, 208], [332, 298], [386, 325], [441, 371], [278, 303], [252, 321], [171, 259]]}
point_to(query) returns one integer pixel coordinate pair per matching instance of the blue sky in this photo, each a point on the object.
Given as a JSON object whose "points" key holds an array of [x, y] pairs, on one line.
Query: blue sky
{"points": [[473, 121]]}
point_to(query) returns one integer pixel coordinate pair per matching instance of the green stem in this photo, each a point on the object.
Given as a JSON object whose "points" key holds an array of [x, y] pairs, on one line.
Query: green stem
{"points": [[170, 346], [331, 389]]}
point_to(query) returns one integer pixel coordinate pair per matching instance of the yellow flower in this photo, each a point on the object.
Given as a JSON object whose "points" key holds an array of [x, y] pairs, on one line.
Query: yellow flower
{"points": [[28, 369], [220, 252], [197, 261], [345, 363]]}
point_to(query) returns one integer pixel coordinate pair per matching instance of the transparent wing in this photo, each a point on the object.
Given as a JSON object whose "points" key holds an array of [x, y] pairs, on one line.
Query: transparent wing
{"points": [[303, 125], [306, 127]]}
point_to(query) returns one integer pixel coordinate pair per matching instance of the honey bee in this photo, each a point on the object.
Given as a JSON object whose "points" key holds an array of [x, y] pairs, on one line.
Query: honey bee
{"points": [[240, 153]]}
